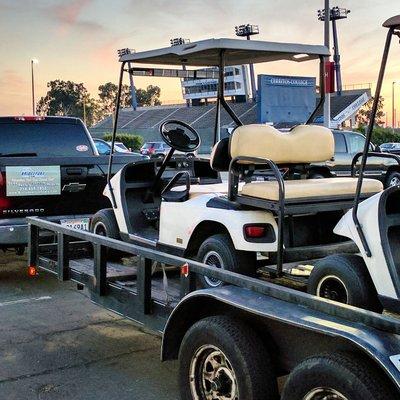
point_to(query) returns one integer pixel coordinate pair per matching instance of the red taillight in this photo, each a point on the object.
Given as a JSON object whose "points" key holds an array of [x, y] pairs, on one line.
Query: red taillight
{"points": [[4, 201], [254, 231], [151, 150], [32, 271], [29, 118], [185, 270]]}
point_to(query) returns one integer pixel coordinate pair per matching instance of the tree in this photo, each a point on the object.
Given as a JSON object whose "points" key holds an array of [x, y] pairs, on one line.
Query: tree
{"points": [[67, 98], [108, 95], [364, 114], [149, 96]]}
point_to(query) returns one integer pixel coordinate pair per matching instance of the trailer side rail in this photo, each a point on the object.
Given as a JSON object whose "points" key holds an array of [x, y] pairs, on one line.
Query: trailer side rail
{"points": [[144, 306]]}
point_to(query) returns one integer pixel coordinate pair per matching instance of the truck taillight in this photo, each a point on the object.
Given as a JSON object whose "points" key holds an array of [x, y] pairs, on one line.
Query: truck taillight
{"points": [[4, 201]]}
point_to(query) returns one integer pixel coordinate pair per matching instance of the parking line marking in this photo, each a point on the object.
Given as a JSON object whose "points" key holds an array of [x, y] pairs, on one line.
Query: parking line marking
{"points": [[22, 301]]}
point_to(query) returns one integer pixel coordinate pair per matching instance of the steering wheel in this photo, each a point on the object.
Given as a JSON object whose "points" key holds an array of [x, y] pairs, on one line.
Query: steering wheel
{"points": [[180, 136]]}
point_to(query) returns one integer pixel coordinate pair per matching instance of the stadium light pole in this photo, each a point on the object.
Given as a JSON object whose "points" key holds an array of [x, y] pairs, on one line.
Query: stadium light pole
{"points": [[247, 31], [123, 52], [177, 42], [33, 61], [335, 14]]}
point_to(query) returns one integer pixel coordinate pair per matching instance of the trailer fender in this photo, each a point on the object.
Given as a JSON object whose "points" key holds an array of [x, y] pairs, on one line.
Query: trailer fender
{"points": [[292, 331]]}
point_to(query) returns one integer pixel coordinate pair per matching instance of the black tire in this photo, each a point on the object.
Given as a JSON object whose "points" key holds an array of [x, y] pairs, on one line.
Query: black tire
{"points": [[219, 250], [316, 175], [244, 352], [351, 376], [393, 179], [104, 223], [344, 278]]}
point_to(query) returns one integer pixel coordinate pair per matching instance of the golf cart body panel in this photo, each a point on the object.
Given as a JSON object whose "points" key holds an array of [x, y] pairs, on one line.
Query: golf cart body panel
{"points": [[207, 53], [273, 316], [372, 214], [180, 221]]}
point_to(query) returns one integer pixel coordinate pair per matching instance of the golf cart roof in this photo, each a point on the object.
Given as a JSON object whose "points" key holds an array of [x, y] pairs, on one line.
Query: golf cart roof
{"points": [[237, 51]]}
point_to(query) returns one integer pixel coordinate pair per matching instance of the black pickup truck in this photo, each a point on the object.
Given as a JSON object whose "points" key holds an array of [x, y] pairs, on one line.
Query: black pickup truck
{"points": [[49, 166]]}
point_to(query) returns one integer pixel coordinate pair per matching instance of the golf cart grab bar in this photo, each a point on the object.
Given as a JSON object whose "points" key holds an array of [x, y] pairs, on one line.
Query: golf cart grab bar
{"points": [[233, 188], [372, 154]]}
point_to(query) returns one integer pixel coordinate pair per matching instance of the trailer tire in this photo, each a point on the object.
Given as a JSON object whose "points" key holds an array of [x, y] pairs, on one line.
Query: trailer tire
{"points": [[218, 250], [232, 355], [342, 376], [344, 278]]}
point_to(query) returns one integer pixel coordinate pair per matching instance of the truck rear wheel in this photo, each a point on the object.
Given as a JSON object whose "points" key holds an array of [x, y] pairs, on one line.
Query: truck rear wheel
{"points": [[344, 278], [221, 358], [336, 376], [218, 251]]}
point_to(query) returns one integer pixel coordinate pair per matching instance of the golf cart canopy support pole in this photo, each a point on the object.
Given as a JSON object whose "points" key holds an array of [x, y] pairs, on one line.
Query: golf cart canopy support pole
{"points": [[322, 91], [114, 133], [368, 140]]}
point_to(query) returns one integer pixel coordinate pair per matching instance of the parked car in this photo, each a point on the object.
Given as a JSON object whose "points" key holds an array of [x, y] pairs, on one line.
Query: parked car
{"points": [[49, 166], [347, 145], [161, 149], [104, 148], [390, 148]]}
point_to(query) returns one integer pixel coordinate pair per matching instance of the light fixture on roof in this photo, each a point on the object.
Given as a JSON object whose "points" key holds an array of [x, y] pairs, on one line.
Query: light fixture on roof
{"points": [[336, 13], [124, 52], [179, 41], [246, 30]]}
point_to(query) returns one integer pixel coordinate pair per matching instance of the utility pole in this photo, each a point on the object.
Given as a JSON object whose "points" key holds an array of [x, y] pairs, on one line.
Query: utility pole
{"points": [[327, 104], [33, 61]]}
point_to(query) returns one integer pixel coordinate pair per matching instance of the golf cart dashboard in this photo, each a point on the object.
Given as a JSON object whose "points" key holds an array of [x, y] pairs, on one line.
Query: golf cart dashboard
{"points": [[142, 173]]}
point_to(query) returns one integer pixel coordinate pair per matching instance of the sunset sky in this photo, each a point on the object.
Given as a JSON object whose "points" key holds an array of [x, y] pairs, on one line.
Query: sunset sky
{"points": [[77, 39]]}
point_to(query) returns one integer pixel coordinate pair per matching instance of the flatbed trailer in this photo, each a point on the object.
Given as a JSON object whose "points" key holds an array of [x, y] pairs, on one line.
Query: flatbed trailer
{"points": [[261, 330]]}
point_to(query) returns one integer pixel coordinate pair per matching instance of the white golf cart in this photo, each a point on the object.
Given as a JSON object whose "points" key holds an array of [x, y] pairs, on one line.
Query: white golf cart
{"points": [[269, 214]]}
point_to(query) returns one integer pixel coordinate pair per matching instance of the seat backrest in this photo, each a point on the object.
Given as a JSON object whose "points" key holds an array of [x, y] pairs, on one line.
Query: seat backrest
{"points": [[302, 145], [220, 157]]}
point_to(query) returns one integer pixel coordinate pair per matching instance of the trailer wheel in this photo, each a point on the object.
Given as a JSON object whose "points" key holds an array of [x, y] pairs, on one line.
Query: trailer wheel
{"points": [[336, 376], [344, 278], [218, 251], [104, 223], [221, 358]]}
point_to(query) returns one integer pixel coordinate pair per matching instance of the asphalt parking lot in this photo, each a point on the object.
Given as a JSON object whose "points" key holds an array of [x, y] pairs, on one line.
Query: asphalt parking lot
{"points": [[55, 344]]}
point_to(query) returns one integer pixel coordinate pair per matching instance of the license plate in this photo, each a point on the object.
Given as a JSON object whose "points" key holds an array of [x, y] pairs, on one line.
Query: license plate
{"points": [[81, 224]]}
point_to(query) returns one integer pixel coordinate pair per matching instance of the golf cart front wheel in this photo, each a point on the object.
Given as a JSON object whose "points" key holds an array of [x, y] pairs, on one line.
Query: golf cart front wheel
{"points": [[345, 279], [222, 358], [218, 251], [336, 377]]}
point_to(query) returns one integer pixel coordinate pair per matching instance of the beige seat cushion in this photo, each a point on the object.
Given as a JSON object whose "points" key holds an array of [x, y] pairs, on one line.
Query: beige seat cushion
{"points": [[308, 188], [197, 190], [302, 145]]}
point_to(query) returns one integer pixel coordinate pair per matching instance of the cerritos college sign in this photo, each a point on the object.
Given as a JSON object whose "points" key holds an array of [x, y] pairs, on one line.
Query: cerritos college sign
{"points": [[275, 80]]}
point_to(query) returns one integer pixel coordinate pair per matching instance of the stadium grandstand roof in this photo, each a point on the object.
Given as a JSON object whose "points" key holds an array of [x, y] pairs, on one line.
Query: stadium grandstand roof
{"points": [[237, 51]]}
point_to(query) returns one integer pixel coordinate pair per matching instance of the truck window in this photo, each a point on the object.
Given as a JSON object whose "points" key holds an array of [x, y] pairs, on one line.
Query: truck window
{"points": [[356, 143], [44, 138], [340, 143]]}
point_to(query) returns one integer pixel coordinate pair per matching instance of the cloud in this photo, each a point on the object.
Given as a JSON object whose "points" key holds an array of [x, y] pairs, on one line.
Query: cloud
{"points": [[68, 16]]}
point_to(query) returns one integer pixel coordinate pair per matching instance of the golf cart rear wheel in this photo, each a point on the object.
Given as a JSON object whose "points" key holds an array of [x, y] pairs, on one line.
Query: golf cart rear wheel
{"points": [[222, 358], [336, 377], [103, 223], [344, 278], [218, 251]]}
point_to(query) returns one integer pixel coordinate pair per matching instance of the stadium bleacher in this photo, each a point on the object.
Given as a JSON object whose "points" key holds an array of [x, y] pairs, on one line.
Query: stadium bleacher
{"points": [[146, 121]]}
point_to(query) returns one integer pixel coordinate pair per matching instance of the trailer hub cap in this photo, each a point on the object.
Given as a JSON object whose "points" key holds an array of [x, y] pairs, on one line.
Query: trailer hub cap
{"points": [[212, 376], [324, 394], [213, 259]]}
